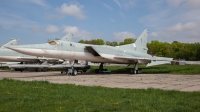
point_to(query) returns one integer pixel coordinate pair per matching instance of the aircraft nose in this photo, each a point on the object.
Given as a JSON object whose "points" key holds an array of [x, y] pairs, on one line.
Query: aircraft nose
{"points": [[28, 51]]}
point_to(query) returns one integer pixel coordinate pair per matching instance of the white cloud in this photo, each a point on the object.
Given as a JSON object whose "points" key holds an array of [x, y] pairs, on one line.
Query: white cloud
{"points": [[70, 29], [187, 32], [37, 2], [154, 34], [194, 4], [8, 20], [107, 6], [125, 4], [184, 3], [121, 14], [175, 3], [117, 2], [179, 20], [35, 29], [179, 27], [83, 34], [52, 29], [112, 20], [73, 10], [120, 36]]}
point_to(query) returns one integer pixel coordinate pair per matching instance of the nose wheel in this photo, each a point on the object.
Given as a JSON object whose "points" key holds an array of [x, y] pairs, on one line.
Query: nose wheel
{"points": [[72, 72], [133, 71], [136, 70]]}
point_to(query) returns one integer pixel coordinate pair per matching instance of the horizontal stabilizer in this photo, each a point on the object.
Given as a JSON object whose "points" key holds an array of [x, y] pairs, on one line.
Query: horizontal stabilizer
{"points": [[153, 63], [155, 58]]}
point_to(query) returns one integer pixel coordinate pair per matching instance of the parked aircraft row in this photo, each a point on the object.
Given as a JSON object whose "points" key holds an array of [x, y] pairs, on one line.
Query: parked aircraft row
{"points": [[65, 49]]}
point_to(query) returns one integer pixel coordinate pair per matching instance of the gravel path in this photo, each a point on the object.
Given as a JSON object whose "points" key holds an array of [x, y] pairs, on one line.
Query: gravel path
{"points": [[141, 81]]}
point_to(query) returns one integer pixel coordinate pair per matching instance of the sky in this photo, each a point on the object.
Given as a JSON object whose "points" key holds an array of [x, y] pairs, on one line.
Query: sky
{"points": [[37, 21]]}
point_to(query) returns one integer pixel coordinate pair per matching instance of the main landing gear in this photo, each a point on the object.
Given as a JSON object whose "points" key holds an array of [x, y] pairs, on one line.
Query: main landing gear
{"points": [[136, 70], [71, 71], [101, 70]]}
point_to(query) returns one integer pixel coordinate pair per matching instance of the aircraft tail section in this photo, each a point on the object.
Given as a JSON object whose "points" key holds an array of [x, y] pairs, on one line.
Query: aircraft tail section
{"points": [[12, 42], [67, 37], [141, 43], [159, 61]]}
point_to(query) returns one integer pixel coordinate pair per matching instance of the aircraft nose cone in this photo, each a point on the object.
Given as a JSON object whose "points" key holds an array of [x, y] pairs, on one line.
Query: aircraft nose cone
{"points": [[28, 51]]}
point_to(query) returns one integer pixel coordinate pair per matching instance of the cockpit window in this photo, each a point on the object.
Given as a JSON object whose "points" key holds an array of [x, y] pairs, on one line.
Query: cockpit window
{"points": [[52, 42]]}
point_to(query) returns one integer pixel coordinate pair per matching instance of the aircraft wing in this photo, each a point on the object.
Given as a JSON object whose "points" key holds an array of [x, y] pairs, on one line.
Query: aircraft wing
{"points": [[132, 58], [136, 59], [93, 51], [96, 51]]}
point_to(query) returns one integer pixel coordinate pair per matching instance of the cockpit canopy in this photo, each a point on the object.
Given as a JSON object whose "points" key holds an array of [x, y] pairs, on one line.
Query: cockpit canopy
{"points": [[53, 42]]}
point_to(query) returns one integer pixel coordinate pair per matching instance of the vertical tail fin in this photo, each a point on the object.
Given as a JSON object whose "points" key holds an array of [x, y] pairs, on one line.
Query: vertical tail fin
{"points": [[141, 43], [67, 37], [12, 42]]}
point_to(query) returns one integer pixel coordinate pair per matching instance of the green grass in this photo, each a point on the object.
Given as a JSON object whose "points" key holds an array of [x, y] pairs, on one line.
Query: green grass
{"points": [[169, 69], [4, 68], [21, 96]]}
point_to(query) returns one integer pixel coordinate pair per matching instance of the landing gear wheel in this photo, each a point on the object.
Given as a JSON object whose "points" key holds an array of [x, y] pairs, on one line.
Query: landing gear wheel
{"points": [[96, 70], [84, 71], [131, 71], [135, 71], [139, 71], [74, 72]]}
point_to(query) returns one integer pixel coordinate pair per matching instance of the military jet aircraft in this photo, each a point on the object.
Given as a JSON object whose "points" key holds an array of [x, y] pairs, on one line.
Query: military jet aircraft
{"points": [[135, 53], [7, 55]]}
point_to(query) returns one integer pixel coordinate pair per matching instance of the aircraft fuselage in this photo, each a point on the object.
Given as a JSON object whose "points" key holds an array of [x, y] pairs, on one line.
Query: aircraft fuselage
{"points": [[75, 51]]}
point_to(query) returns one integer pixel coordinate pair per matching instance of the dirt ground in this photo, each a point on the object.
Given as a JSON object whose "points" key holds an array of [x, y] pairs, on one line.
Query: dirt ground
{"points": [[139, 81]]}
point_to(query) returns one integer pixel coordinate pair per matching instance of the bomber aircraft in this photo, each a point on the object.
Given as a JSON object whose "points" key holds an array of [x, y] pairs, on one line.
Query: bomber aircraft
{"points": [[7, 55], [135, 53]]}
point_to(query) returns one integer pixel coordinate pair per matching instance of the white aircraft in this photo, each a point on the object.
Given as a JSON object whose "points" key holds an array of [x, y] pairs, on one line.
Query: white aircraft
{"points": [[135, 53]]}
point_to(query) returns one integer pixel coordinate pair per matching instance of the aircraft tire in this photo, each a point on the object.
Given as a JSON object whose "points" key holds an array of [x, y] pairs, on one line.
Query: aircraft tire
{"points": [[139, 71], [96, 70], [74, 72], [131, 71], [135, 71]]}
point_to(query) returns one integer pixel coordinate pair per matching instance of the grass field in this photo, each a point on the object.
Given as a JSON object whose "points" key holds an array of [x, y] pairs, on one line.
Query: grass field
{"points": [[42, 96], [169, 69]]}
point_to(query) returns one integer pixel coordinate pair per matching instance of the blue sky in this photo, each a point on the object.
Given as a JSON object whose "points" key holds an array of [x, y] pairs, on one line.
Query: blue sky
{"points": [[37, 21]]}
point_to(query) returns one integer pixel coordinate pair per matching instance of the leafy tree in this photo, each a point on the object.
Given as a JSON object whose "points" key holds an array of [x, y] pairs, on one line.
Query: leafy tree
{"points": [[94, 41], [129, 40], [81, 41]]}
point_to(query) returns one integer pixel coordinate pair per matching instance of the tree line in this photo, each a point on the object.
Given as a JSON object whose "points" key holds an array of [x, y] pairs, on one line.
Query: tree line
{"points": [[176, 50]]}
